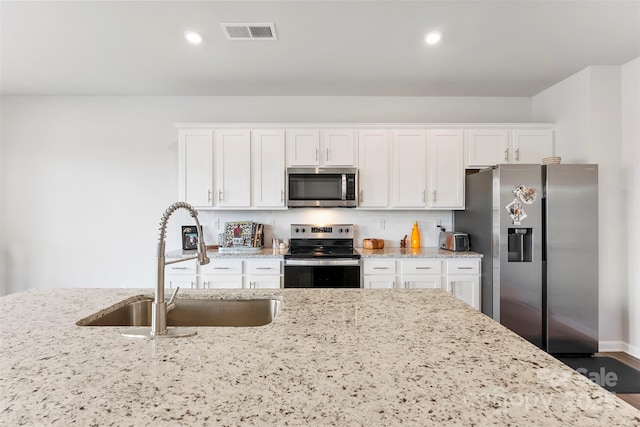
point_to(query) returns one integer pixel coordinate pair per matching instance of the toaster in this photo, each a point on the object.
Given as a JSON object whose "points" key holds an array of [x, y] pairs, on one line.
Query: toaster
{"points": [[454, 241]]}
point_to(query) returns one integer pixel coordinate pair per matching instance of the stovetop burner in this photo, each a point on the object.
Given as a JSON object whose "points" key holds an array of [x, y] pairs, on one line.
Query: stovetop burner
{"points": [[322, 241]]}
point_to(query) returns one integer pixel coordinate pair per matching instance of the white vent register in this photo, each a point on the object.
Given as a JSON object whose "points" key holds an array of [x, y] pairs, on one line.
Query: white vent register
{"points": [[249, 31]]}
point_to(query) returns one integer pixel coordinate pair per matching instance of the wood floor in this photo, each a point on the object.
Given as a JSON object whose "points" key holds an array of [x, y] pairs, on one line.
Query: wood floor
{"points": [[632, 399]]}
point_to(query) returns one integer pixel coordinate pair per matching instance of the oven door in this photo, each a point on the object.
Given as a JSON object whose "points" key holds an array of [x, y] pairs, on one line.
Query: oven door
{"points": [[310, 273]]}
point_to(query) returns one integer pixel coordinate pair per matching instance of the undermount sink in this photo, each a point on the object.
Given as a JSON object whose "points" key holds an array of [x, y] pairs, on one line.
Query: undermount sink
{"points": [[191, 312]]}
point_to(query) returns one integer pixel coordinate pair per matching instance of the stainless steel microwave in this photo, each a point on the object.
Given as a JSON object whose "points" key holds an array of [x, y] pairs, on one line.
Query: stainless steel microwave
{"points": [[322, 187]]}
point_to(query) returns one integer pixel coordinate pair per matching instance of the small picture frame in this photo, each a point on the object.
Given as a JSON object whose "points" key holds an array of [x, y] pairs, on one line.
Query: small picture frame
{"points": [[190, 237]]}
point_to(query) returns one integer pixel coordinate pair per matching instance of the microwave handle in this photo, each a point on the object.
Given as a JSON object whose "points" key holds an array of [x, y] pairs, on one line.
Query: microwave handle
{"points": [[344, 186]]}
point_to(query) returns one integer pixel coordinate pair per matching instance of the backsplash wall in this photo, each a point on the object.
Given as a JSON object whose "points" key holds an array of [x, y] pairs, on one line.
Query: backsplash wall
{"points": [[388, 225]]}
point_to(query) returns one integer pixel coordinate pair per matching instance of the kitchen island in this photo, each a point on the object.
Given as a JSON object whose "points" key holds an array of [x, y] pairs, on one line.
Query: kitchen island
{"points": [[330, 357]]}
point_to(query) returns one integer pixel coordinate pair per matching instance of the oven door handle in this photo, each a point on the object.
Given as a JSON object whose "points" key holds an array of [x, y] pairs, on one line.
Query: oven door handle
{"points": [[313, 263]]}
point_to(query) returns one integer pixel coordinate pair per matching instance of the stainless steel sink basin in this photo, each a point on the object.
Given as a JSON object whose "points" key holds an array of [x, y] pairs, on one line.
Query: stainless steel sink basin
{"points": [[192, 312]]}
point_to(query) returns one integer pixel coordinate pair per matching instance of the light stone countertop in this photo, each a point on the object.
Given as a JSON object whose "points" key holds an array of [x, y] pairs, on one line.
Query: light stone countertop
{"points": [[366, 253], [415, 253], [331, 357]]}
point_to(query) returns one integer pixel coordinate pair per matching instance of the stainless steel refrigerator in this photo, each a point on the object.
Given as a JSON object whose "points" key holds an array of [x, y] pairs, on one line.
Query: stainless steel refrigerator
{"points": [[537, 227]]}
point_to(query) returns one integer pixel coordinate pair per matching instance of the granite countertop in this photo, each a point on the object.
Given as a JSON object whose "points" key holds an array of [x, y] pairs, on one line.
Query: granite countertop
{"points": [[366, 253], [261, 253], [331, 357], [416, 253]]}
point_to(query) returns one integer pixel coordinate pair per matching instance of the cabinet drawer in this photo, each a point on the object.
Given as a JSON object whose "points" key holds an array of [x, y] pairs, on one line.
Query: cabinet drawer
{"points": [[463, 266], [186, 267], [421, 266], [222, 267], [379, 266], [263, 267]]}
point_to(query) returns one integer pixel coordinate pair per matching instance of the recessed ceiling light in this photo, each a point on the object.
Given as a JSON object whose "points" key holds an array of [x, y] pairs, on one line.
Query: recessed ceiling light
{"points": [[193, 37], [433, 37]]}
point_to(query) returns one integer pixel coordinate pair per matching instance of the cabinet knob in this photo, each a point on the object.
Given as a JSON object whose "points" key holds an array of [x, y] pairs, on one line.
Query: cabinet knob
{"points": [[506, 154]]}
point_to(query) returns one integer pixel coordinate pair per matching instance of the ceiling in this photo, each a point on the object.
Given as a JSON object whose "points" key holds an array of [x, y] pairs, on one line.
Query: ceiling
{"points": [[354, 48]]}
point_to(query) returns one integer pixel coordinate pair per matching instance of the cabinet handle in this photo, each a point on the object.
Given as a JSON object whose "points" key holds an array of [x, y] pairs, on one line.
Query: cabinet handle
{"points": [[360, 196], [193, 284], [282, 195], [263, 268], [423, 268], [327, 154], [506, 154], [219, 195], [380, 268], [393, 284], [453, 288], [220, 268], [178, 268], [252, 285], [465, 268], [316, 154], [423, 195], [206, 284], [517, 154], [434, 196], [208, 195]]}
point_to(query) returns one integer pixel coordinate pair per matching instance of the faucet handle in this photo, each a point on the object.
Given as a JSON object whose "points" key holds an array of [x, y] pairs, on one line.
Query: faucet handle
{"points": [[173, 296]]}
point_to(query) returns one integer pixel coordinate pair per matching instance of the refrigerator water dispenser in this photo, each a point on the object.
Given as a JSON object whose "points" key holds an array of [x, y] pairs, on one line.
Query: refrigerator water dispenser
{"points": [[520, 244]]}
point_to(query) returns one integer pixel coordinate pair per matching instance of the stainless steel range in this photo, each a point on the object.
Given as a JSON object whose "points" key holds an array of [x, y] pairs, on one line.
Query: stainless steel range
{"points": [[321, 256]]}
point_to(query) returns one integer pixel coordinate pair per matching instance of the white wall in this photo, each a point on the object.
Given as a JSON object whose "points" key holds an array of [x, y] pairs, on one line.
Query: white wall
{"points": [[631, 193], [85, 180], [586, 108]]}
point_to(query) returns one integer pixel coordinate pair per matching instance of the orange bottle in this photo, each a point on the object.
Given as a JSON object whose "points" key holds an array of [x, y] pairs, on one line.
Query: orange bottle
{"points": [[415, 236]]}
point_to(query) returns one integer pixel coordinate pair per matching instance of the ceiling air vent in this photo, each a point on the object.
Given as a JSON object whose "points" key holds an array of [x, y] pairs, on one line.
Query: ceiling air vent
{"points": [[249, 31]]}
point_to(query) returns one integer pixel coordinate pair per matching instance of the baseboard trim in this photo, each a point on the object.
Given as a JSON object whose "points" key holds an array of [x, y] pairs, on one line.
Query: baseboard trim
{"points": [[613, 346], [634, 351]]}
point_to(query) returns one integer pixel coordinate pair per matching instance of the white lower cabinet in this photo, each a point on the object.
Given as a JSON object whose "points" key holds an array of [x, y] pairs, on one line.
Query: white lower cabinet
{"points": [[460, 277], [379, 273], [241, 273], [184, 275], [221, 273], [263, 274], [463, 280], [422, 273]]}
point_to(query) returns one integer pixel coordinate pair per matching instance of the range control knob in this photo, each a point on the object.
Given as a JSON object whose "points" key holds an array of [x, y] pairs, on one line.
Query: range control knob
{"points": [[303, 230], [340, 230], [297, 230], [346, 230]]}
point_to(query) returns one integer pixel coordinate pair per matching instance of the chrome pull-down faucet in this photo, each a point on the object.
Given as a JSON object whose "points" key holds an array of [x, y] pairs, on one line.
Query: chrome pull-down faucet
{"points": [[160, 307]]}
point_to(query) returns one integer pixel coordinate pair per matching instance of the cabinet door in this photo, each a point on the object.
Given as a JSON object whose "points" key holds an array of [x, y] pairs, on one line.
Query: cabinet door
{"points": [[409, 168], [373, 168], [195, 171], [379, 282], [486, 147], [466, 288], [531, 145], [263, 282], [338, 146], [446, 169], [221, 282], [303, 147], [233, 168], [268, 168], [422, 282]]}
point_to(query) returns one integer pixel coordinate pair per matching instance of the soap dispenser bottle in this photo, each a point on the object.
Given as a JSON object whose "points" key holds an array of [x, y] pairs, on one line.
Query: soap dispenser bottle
{"points": [[415, 236]]}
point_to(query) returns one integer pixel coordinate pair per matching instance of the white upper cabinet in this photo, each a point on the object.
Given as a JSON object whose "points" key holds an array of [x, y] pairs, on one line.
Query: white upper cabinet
{"points": [[409, 159], [445, 184], [268, 168], [303, 147], [488, 147], [233, 168], [195, 170], [338, 147], [374, 155], [531, 145], [312, 147]]}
